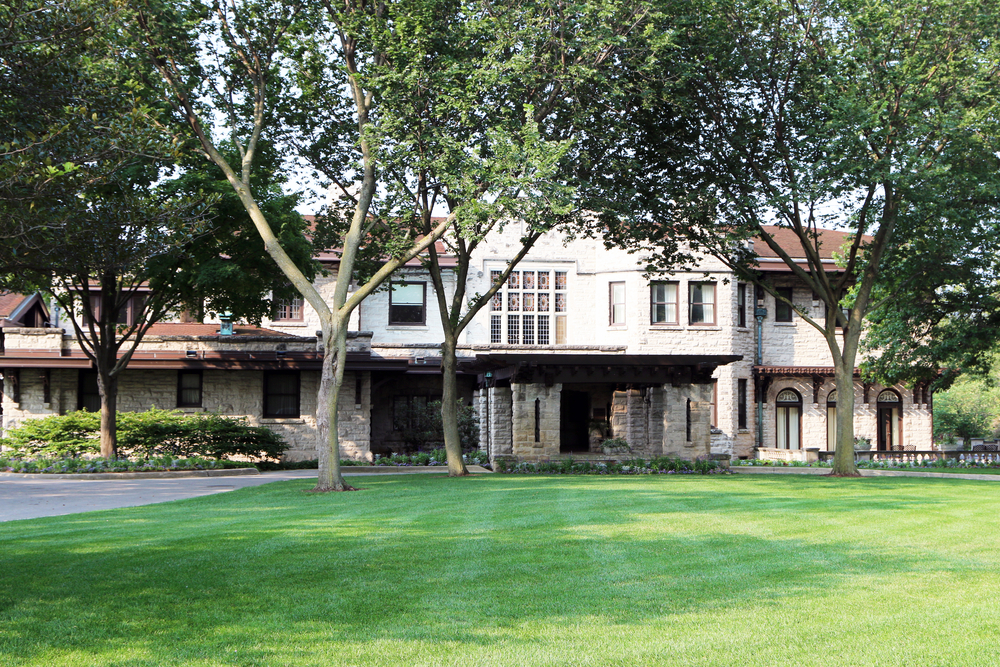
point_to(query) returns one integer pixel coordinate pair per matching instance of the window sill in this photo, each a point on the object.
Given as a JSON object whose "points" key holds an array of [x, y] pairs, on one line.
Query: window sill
{"points": [[658, 326], [289, 323], [282, 420], [407, 327], [618, 327], [785, 324], [704, 327]]}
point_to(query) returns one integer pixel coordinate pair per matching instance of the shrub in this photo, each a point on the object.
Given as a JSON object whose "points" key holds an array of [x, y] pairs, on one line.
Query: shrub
{"points": [[615, 446], [145, 435], [58, 436]]}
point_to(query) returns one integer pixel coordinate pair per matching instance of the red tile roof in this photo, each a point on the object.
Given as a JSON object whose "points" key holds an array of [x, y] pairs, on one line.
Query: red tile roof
{"points": [[831, 241], [9, 301]]}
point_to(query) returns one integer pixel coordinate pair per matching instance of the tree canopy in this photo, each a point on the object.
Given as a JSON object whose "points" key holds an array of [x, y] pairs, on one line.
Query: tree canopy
{"points": [[873, 117]]}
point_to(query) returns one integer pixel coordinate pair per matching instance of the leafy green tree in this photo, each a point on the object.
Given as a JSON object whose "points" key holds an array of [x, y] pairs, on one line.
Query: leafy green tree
{"points": [[553, 65], [874, 117], [334, 81], [115, 246]]}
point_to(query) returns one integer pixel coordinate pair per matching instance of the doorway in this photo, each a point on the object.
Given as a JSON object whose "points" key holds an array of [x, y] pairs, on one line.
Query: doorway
{"points": [[574, 419], [885, 429], [887, 420]]}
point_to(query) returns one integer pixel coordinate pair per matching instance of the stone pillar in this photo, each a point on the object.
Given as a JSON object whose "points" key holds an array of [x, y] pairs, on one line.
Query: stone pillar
{"points": [[354, 415], [656, 420], [498, 423], [525, 445], [629, 418], [675, 420]]}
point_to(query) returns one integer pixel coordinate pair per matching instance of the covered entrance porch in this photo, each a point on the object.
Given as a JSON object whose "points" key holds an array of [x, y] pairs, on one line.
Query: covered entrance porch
{"points": [[537, 407]]}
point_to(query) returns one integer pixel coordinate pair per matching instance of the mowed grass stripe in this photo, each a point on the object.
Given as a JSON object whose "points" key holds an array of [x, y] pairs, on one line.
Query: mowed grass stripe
{"points": [[516, 570]]}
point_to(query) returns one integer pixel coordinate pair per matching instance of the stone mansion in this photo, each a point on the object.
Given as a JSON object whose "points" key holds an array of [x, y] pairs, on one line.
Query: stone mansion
{"points": [[579, 345]]}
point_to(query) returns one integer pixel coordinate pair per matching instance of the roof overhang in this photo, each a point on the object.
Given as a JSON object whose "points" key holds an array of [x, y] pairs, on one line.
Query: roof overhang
{"points": [[203, 360], [588, 368]]}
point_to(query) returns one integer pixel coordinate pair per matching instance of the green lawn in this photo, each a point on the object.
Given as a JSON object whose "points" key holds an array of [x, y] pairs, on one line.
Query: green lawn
{"points": [[517, 570]]}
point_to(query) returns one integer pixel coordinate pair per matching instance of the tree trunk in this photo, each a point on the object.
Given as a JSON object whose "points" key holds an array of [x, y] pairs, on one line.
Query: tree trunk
{"points": [[843, 459], [108, 388], [331, 379], [449, 408], [843, 369]]}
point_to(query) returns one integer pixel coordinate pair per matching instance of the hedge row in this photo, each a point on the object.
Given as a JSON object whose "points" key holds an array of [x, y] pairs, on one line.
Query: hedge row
{"points": [[146, 435]]}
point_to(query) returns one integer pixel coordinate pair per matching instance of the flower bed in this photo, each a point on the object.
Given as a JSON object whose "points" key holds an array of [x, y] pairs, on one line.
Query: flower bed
{"points": [[97, 465], [661, 465], [935, 464]]}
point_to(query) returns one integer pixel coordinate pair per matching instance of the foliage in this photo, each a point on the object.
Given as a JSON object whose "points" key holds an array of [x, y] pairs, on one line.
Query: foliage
{"points": [[862, 444], [877, 118], [424, 425], [435, 457], [146, 434], [615, 446], [657, 465], [74, 465], [970, 408], [69, 435]]}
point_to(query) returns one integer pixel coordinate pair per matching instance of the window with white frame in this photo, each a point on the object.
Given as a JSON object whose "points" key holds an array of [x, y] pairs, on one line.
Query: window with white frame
{"points": [[289, 310], [616, 297], [530, 308]]}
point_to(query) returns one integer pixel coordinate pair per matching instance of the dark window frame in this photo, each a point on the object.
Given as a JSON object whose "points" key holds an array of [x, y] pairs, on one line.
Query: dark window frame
{"points": [[653, 303], [741, 305], [784, 312], [423, 304], [741, 404], [180, 388], [268, 394], [777, 419], [81, 385], [692, 303]]}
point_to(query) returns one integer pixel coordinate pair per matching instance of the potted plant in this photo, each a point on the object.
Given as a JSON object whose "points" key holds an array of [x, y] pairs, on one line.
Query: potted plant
{"points": [[615, 446], [862, 444]]}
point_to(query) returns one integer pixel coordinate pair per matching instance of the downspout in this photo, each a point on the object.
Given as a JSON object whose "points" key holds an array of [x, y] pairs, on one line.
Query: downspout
{"points": [[760, 314]]}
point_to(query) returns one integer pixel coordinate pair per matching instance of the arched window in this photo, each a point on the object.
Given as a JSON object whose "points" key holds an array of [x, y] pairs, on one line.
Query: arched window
{"points": [[888, 407], [831, 421], [788, 406]]}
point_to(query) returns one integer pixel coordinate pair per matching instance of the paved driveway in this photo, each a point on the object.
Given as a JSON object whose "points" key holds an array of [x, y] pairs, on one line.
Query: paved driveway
{"points": [[33, 497]]}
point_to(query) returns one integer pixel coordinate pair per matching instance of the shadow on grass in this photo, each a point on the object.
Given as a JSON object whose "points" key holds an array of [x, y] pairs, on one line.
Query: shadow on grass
{"points": [[269, 571]]}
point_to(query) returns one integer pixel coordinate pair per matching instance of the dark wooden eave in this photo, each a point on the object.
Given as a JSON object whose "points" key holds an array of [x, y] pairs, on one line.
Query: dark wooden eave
{"points": [[587, 368], [203, 359]]}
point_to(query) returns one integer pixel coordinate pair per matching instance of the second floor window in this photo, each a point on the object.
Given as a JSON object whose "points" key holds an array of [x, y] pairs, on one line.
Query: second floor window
{"points": [[701, 303], [530, 308], [406, 303], [741, 305], [663, 303], [289, 310], [617, 304], [782, 309]]}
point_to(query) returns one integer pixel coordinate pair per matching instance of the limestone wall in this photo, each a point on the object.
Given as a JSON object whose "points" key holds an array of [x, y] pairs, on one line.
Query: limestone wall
{"points": [[915, 419], [231, 393]]}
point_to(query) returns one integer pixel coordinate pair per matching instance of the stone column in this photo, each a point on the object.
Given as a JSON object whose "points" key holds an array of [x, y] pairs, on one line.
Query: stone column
{"points": [[499, 422], [675, 420], [547, 399]]}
